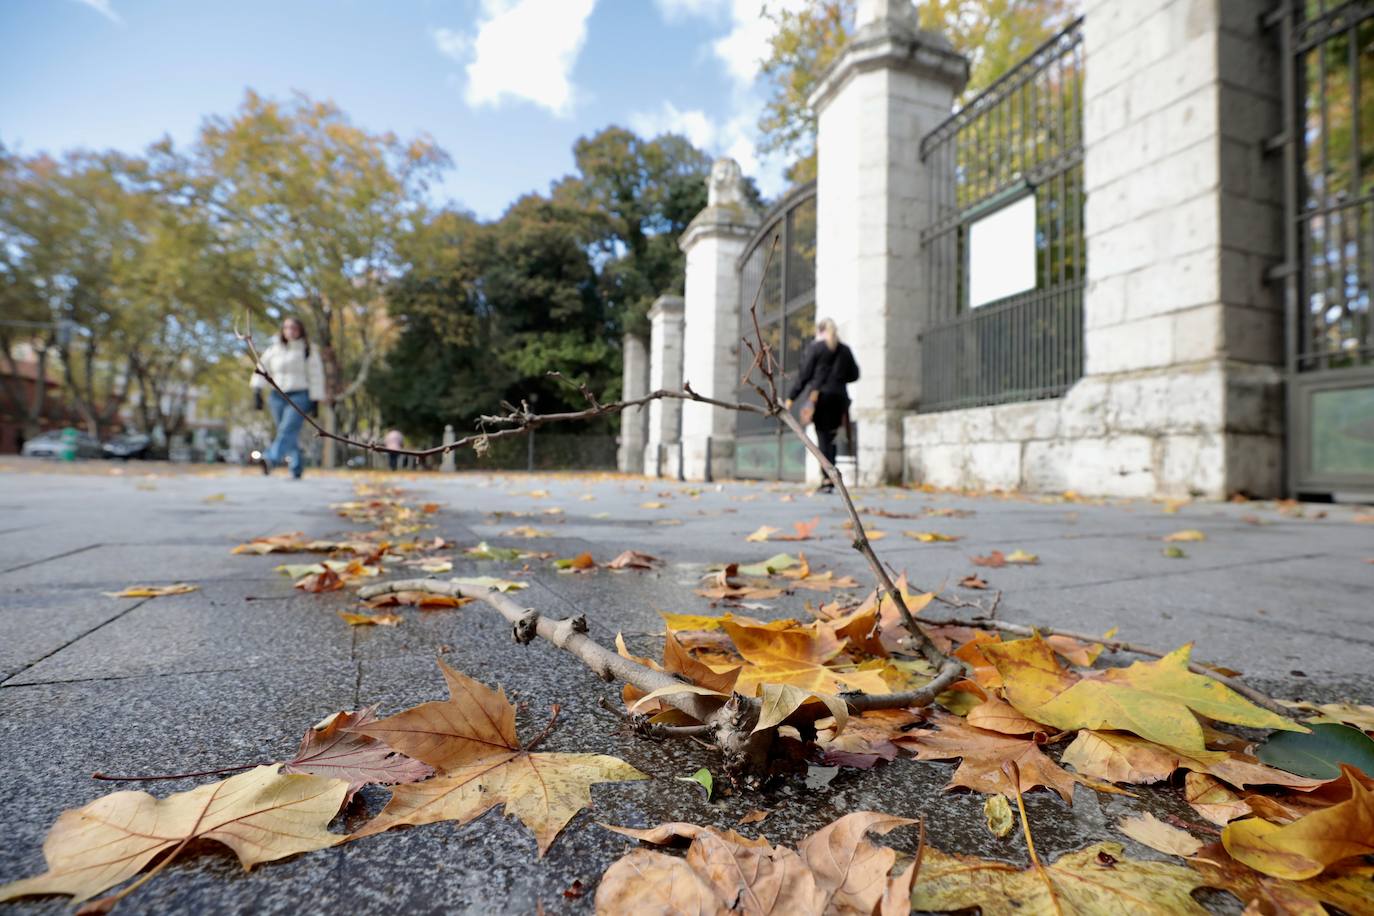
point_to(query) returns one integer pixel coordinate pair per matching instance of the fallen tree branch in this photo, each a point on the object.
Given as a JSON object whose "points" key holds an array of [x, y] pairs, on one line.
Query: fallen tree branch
{"points": [[1120, 645]]}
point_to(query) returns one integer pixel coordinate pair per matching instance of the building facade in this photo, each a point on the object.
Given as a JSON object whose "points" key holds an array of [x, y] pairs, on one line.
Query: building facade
{"points": [[1139, 264]]}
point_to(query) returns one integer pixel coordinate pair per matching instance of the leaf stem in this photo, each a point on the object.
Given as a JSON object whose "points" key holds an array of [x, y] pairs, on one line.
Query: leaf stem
{"points": [[231, 769], [547, 728]]}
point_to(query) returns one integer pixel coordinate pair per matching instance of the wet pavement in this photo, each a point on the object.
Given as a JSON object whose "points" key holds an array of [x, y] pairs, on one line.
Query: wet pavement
{"points": [[235, 672]]}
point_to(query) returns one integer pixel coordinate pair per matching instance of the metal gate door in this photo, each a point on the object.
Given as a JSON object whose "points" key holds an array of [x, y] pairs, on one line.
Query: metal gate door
{"points": [[1327, 49]]}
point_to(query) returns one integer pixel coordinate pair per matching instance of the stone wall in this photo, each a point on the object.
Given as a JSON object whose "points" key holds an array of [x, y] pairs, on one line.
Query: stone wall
{"points": [[665, 372], [1182, 393], [634, 421]]}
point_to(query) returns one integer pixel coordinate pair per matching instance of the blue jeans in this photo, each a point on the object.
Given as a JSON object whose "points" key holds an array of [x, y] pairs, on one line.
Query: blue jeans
{"points": [[286, 447]]}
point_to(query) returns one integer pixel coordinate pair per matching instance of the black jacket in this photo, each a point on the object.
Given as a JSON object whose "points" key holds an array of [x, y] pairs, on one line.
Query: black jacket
{"points": [[826, 371]]}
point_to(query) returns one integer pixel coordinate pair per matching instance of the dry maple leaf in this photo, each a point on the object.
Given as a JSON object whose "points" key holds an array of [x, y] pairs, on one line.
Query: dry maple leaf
{"points": [[763, 533], [1191, 534], [326, 581], [1351, 889], [983, 754], [290, 542], [1092, 881], [153, 591], [1151, 699], [1304, 848], [802, 531], [930, 537], [470, 739], [330, 749], [1150, 831], [262, 815], [418, 599], [1213, 799], [370, 620], [870, 735], [797, 656], [1122, 757], [633, 559], [836, 870], [973, 581]]}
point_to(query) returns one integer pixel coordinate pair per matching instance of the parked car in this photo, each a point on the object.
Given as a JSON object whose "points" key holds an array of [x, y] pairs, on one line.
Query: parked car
{"points": [[50, 445], [129, 445]]}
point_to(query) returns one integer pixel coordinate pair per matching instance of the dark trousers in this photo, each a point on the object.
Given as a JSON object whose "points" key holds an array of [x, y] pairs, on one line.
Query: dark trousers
{"points": [[393, 459], [825, 438]]}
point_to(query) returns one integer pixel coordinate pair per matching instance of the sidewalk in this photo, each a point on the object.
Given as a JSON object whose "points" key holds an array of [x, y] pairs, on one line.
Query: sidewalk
{"points": [[235, 672]]}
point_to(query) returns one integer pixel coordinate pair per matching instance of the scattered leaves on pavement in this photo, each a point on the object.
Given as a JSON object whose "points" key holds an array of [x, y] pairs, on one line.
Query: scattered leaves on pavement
{"points": [[367, 620], [1190, 534], [331, 748]]}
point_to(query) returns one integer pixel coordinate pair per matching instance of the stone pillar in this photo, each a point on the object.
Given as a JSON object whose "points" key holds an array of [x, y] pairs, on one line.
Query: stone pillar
{"points": [[634, 421], [892, 84], [1183, 337], [447, 463], [713, 242], [665, 371]]}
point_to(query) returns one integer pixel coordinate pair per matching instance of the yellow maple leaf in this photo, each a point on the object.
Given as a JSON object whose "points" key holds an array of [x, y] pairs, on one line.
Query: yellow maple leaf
{"points": [[797, 656], [1092, 881], [1150, 699], [261, 814], [1304, 848], [470, 739]]}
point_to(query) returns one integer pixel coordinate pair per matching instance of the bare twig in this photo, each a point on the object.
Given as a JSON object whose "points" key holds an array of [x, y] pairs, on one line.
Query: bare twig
{"points": [[517, 422]]}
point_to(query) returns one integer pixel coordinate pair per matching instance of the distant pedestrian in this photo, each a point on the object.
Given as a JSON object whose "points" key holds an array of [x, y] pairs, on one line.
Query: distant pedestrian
{"points": [[827, 366], [298, 371], [394, 441]]}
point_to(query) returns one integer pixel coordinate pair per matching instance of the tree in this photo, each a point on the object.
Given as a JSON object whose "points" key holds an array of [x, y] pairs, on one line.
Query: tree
{"points": [[993, 34], [322, 203], [633, 198]]}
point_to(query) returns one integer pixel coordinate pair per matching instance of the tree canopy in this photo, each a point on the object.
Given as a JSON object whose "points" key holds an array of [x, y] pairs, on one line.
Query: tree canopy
{"points": [[993, 34]]}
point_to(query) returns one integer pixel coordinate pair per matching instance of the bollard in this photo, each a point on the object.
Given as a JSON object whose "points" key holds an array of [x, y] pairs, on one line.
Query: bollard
{"points": [[447, 464]]}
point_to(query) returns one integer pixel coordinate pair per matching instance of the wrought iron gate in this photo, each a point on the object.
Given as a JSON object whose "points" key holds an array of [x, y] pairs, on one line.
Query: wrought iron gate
{"points": [[1327, 51], [1021, 138], [787, 318]]}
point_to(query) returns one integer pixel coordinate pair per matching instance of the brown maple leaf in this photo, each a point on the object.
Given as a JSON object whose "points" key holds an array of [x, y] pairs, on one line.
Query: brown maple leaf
{"points": [[331, 749], [983, 754], [470, 739]]}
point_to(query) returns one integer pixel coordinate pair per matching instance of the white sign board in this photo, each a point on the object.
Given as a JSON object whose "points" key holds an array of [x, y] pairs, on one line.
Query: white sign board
{"points": [[1001, 256]]}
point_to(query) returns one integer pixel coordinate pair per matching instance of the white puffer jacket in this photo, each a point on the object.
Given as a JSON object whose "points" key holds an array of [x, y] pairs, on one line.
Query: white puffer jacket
{"points": [[292, 370]]}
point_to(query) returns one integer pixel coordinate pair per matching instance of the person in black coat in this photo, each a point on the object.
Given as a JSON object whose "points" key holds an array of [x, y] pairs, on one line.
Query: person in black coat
{"points": [[827, 366]]}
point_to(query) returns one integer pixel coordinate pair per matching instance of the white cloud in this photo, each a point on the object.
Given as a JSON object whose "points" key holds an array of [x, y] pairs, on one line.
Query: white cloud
{"points": [[451, 44], [521, 50], [677, 10], [103, 8], [692, 124]]}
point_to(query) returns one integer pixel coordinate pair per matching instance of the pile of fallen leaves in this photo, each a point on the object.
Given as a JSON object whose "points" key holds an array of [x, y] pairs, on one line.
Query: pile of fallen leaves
{"points": [[1283, 805], [1282, 820]]}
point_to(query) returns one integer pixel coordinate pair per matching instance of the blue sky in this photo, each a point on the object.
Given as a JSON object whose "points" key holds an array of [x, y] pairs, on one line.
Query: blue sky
{"points": [[505, 86]]}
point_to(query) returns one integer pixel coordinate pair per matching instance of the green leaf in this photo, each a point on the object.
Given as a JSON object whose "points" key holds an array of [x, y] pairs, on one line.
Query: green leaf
{"points": [[775, 563], [703, 778], [1175, 553], [484, 551], [1318, 755]]}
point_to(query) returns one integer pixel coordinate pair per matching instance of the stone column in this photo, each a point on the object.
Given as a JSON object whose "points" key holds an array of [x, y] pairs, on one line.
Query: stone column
{"points": [[665, 371], [890, 86], [1183, 337], [713, 242], [634, 421]]}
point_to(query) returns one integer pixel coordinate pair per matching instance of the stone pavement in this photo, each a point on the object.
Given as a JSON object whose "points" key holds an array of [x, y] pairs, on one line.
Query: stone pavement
{"points": [[235, 672]]}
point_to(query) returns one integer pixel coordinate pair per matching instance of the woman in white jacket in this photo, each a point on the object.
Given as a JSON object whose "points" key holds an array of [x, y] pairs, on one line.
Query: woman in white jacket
{"points": [[298, 371]]}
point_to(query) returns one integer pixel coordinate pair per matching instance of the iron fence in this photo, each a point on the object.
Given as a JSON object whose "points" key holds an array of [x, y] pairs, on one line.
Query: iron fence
{"points": [[787, 320], [1326, 50], [1020, 138]]}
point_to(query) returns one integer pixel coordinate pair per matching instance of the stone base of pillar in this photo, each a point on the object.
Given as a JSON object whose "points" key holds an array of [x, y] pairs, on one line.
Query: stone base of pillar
{"points": [[698, 464], [661, 459], [1207, 430], [880, 434]]}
